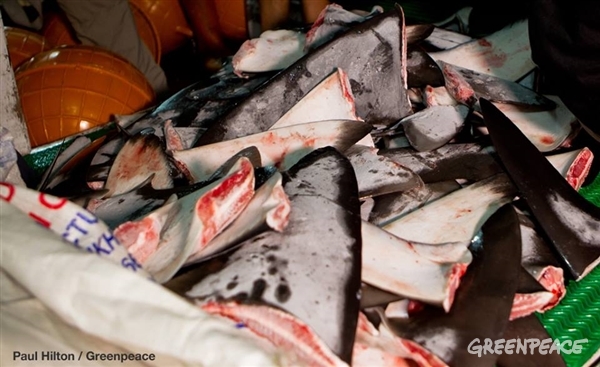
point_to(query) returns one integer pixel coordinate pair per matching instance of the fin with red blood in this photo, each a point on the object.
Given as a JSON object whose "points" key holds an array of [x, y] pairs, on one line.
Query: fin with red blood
{"points": [[371, 53], [571, 223], [429, 273], [547, 130], [531, 297], [141, 156], [282, 147], [457, 86], [456, 217], [331, 99], [539, 260], [482, 303], [273, 50], [381, 348], [298, 341], [312, 268], [144, 199], [268, 209], [332, 21], [165, 238], [574, 165], [498, 89], [504, 54]]}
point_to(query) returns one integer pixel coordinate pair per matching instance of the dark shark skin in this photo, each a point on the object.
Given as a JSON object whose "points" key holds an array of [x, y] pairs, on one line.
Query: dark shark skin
{"points": [[482, 302], [201, 103], [571, 223], [68, 178], [79, 144], [371, 53], [528, 327], [105, 157], [536, 252], [198, 105], [471, 161], [527, 283], [422, 70], [313, 268], [372, 296], [377, 175], [502, 90], [392, 206], [416, 33], [388, 207]]}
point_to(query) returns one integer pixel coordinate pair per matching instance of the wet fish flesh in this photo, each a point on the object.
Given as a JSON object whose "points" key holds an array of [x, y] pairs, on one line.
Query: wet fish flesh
{"points": [[280, 328], [505, 54], [428, 273], [273, 50], [317, 254], [499, 90], [458, 215], [282, 147], [482, 304], [269, 209], [371, 53], [141, 157], [164, 239]]}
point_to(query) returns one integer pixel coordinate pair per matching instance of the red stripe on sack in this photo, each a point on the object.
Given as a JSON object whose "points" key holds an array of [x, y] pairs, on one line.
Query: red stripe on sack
{"points": [[11, 191]]}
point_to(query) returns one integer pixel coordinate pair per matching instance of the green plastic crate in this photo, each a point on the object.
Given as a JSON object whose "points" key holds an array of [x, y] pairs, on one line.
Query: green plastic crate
{"points": [[41, 158], [578, 314]]}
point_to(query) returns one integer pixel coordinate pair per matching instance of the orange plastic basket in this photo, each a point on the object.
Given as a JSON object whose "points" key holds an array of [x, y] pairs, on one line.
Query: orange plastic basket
{"points": [[168, 19], [23, 45], [71, 89]]}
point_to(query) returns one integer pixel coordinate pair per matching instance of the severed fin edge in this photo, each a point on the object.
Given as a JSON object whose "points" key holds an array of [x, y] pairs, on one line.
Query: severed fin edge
{"points": [[291, 269], [487, 289], [571, 223], [383, 95], [505, 53], [501, 90]]}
